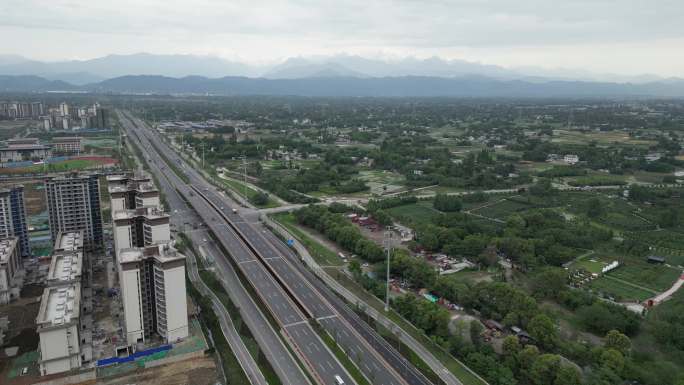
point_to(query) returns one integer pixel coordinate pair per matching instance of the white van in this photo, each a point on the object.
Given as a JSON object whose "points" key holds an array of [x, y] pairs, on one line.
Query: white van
{"points": [[338, 379]]}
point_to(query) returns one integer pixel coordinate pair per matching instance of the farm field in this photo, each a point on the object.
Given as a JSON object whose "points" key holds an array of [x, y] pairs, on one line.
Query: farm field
{"points": [[591, 261], [654, 277], [633, 280], [669, 244], [620, 291], [419, 213], [502, 209], [608, 137], [625, 221], [596, 180], [382, 181]]}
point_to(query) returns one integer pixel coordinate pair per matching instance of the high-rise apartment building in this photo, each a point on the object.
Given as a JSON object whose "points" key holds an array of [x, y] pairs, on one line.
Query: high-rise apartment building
{"points": [[59, 328], [64, 345], [129, 192], [13, 218], [64, 109], [102, 118], [74, 204], [140, 227], [152, 282], [10, 263]]}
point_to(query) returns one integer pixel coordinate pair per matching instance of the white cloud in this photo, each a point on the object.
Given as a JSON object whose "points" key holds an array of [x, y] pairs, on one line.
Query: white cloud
{"points": [[592, 34]]}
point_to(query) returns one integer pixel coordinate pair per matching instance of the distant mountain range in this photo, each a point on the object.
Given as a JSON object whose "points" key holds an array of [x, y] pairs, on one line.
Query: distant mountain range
{"points": [[336, 85], [81, 72]]}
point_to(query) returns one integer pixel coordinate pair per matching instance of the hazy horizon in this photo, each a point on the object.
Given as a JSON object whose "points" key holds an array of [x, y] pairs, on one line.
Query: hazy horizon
{"points": [[605, 36]]}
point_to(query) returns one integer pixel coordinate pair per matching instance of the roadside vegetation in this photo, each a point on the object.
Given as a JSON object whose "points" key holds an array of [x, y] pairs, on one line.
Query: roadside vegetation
{"points": [[552, 220]]}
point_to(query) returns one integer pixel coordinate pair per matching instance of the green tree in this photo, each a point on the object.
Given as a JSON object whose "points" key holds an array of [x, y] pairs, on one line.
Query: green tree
{"points": [[355, 268], [429, 240], [259, 199], [618, 341], [515, 225], [476, 329], [510, 346], [542, 188], [527, 357], [545, 369], [595, 208], [382, 217], [613, 360], [669, 218], [542, 329], [447, 203], [568, 375], [549, 283]]}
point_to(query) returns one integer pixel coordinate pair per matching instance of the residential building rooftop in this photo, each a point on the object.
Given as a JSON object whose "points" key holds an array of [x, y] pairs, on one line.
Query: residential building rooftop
{"points": [[65, 267], [71, 241], [59, 306], [7, 245], [147, 212], [162, 253]]}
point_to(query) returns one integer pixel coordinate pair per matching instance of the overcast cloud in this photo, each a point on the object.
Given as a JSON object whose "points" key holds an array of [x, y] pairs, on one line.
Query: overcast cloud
{"points": [[619, 36]]}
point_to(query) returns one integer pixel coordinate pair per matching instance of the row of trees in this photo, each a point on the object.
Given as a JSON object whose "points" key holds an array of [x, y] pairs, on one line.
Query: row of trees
{"points": [[338, 229]]}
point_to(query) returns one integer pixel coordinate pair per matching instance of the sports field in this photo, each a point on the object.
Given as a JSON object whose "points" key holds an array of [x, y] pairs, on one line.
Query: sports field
{"points": [[81, 163]]}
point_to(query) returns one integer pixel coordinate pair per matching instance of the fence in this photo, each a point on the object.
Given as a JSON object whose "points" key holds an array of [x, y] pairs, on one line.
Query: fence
{"points": [[137, 355]]}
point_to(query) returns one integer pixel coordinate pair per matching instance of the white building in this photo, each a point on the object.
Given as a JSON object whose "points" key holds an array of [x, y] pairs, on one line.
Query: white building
{"points": [[69, 241], [653, 156], [59, 329], [140, 227], [571, 159], [10, 263], [153, 293], [66, 267], [64, 109], [67, 144], [131, 192]]}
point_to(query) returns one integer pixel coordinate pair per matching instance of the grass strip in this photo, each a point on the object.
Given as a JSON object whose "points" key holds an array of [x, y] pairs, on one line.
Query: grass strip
{"points": [[341, 356], [211, 327], [320, 253]]}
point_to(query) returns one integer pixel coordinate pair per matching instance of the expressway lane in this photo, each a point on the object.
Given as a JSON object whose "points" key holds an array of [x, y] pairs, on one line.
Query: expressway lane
{"points": [[246, 361], [362, 353], [283, 363], [321, 362], [375, 358], [290, 268]]}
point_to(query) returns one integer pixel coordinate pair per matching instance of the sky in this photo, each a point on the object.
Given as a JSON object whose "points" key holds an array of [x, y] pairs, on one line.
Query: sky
{"points": [[605, 36]]}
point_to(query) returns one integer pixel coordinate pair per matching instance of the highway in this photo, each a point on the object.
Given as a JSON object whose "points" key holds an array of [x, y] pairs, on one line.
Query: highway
{"points": [[249, 366], [183, 217], [379, 361], [287, 293], [319, 360]]}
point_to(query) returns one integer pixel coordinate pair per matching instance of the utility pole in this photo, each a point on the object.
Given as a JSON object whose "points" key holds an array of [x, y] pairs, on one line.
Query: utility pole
{"points": [[203, 154], [244, 176], [388, 240]]}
